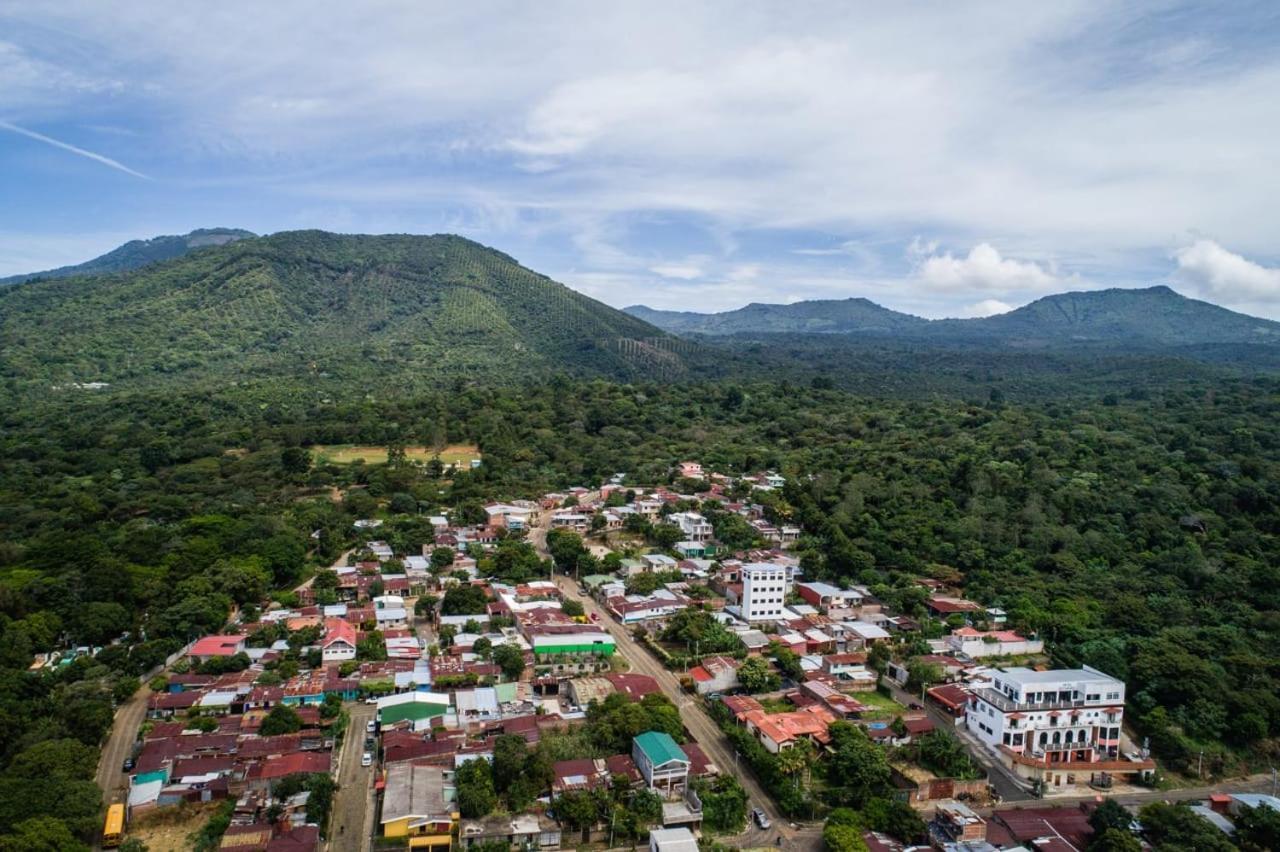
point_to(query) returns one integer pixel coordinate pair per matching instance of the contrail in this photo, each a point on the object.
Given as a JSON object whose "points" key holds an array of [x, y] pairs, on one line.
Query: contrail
{"points": [[40, 137]]}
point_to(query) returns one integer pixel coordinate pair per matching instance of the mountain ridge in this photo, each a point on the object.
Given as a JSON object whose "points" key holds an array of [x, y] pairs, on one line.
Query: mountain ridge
{"points": [[325, 306], [138, 253], [1155, 315]]}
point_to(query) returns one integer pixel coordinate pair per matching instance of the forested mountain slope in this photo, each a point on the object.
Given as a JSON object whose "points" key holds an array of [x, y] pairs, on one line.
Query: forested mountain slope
{"points": [[1122, 318], [311, 305], [139, 253], [828, 316], [1151, 316]]}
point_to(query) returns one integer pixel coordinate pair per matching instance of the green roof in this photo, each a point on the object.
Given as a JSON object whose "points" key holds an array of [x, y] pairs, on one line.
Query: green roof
{"points": [[660, 748]]}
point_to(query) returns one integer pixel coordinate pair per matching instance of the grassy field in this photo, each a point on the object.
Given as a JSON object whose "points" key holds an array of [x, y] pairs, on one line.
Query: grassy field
{"points": [[885, 707], [459, 454]]}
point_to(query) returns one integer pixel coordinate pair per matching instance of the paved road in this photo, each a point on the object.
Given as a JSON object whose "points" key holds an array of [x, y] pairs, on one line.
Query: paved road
{"points": [[704, 730], [352, 823], [124, 732]]}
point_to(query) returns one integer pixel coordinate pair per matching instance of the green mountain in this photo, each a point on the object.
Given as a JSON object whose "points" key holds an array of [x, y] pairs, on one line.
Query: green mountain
{"points": [[1154, 317], [317, 306], [138, 253], [843, 316]]}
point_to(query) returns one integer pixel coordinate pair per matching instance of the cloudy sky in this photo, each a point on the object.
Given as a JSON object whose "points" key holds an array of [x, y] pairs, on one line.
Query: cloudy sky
{"points": [[942, 158]]}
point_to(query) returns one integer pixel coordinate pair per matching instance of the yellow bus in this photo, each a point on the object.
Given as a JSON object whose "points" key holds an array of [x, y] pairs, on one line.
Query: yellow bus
{"points": [[113, 829]]}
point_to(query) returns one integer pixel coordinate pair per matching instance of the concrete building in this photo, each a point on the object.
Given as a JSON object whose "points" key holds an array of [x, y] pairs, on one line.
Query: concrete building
{"points": [[694, 525], [418, 803], [672, 840], [1054, 725], [764, 591], [991, 643], [662, 763]]}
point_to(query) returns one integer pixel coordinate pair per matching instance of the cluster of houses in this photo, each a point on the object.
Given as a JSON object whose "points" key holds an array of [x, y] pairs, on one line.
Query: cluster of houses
{"points": [[444, 700], [956, 827], [608, 508]]}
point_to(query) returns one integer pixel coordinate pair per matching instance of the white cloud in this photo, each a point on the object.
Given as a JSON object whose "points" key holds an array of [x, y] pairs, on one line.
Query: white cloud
{"points": [[1073, 129], [985, 308], [683, 271], [983, 269], [1224, 276]]}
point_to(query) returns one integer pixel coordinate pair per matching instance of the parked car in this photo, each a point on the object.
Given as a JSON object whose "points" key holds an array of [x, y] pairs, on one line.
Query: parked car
{"points": [[915, 705], [595, 616], [129, 763], [371, 726], [761, 819], [366, 759]]}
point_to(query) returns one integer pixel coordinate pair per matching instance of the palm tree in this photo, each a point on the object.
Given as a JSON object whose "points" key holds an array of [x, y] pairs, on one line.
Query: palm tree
{"points": [[796, 759]]}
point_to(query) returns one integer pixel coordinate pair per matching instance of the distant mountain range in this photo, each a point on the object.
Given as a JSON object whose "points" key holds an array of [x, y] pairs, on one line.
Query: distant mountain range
{"points": [[1150, 317], [219, 307], [311, 304], [138, 253]]}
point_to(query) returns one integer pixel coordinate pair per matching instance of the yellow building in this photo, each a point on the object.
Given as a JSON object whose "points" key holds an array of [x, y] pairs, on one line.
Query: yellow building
{"points": [[418, 803]]}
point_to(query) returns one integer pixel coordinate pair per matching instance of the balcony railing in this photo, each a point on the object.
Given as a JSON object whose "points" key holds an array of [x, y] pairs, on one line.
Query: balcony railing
{"points": [[1101, 762], [1008, 705]]}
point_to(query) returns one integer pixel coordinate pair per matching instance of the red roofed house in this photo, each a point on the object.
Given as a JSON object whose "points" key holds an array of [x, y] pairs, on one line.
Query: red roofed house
{"points": [[992, 643], [210, 647], [585, 774], [741, 706], [339, 641], [634, 686], [273, 769], [951, 698], [941, 607], [715, 674], [780, 731]]}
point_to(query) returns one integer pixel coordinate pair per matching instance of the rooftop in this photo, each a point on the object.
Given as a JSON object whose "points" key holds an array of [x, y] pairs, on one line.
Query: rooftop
{"points": [[415, 792], [660, 748]]}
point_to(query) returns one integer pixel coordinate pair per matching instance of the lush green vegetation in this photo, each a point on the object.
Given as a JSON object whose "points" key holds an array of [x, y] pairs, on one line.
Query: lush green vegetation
{"points": [[1154, 316], [1130, 520], [319, 308]]}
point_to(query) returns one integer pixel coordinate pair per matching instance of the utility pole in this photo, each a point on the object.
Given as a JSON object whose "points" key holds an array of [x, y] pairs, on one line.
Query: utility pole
{"points": [[1200, 766]]}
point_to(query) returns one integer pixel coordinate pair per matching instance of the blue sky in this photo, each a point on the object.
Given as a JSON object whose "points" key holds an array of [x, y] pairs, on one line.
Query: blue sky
{"points": [[947, 159]]}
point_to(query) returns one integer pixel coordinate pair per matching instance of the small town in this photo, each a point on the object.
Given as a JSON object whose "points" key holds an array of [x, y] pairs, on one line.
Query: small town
{"points": [[622, 665]]}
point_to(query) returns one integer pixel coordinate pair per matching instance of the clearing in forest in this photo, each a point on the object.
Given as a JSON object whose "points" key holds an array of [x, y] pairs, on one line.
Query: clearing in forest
{"points": [[454, 454]]}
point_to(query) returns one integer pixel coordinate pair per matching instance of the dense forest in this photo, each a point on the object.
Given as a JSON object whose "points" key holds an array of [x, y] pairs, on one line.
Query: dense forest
{"points": [[1135, 531]]}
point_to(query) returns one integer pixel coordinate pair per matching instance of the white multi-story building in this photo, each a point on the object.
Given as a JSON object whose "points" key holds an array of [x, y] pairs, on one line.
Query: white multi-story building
{"points": [[764, 591], [694, 526], [1054, 725]]}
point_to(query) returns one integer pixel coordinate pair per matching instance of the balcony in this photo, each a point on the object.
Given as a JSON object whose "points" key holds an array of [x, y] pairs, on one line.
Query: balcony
{"points": [[1100, 761], [1008, 705]]}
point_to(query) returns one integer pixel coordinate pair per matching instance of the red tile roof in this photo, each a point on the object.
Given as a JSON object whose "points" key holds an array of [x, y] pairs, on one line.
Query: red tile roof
{"points": [[634, 686], [290, 764], [217, 646], [337, 630]]}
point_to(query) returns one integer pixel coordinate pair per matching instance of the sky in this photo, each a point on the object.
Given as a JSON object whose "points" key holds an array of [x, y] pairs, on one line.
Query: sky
{"points": [[945, 159]]}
